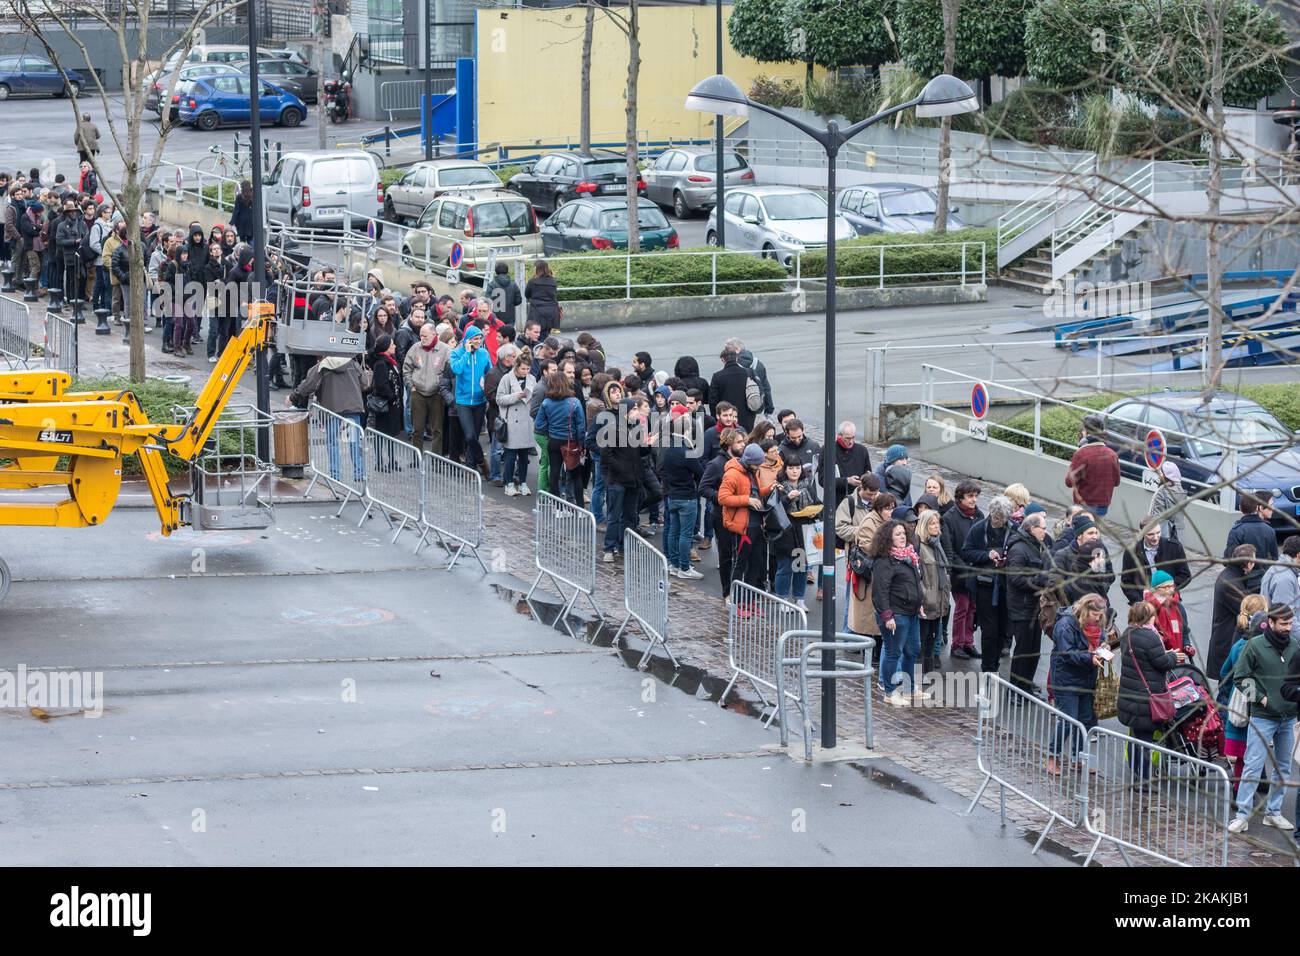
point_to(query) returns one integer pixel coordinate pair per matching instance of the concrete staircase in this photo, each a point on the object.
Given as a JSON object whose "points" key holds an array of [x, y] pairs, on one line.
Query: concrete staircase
{"points": [[1034, 271]]}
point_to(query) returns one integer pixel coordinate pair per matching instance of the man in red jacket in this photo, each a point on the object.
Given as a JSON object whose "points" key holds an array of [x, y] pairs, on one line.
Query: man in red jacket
{"points": [[1094, 468]]}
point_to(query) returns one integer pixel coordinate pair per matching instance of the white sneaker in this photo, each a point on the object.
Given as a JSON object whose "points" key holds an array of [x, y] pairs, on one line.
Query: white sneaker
{"points": [[609, 557], [689, 573], [212, 360], [510, 490], [799, 604], [675, 572], [1278, 821], [149, 328], [920, 695], [523, 489], [898, 699], [1238, 825]]}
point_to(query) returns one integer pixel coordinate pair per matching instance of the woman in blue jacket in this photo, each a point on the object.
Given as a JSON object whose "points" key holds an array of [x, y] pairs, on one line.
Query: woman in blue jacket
{"points": [[1074, 672], [560, 419]]}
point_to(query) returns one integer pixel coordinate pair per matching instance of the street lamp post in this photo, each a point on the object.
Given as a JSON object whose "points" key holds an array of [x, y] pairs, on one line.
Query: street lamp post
{"points": [[943, 96], [263, 378], [717, 123]]}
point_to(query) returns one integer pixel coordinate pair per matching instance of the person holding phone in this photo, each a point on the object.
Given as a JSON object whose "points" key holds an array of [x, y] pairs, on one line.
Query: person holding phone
{"points": [[1073, 676]]}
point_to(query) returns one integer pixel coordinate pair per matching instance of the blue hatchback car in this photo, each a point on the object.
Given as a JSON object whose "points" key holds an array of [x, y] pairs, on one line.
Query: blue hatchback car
{"points": [[27, 75], [224, 101]]}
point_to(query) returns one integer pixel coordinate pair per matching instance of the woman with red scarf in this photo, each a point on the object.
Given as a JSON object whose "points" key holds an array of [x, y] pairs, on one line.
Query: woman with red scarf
{"points": [[896, 594], [1171, 620]]}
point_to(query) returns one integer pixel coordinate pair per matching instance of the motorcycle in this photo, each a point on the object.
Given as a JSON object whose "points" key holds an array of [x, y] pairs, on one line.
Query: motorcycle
{"points": [[338, 100]]}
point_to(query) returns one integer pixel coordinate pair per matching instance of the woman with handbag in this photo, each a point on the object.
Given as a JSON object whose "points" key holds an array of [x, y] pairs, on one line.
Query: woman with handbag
{"points": [[562, 420], [384, 403], [1254, 612], [936, 590], [1144, 704], [896, 595], [796, 495], [513, 393], [862, 612], [1074, 673]]}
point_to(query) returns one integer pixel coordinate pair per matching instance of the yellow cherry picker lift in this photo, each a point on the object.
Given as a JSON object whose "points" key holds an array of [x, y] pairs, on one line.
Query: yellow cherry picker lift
{"points": [[42, 422]]}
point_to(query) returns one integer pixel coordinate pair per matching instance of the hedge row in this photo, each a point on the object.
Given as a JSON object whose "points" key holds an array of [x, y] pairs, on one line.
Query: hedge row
{"points": [[227, 195], [1062, 424], [680, 273], [920, 253]]}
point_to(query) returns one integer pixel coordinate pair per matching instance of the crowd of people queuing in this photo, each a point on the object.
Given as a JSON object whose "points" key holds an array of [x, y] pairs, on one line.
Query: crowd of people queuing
{"points": [[713, 464]]}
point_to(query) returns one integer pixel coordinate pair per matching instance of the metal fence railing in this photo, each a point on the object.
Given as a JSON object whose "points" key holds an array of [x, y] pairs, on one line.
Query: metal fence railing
{"points": [[403, 96], [394, 481], [330, 439], [565, 553], [1017, 733], [645, 592], [755, 622], [795, 649], [60, 344], [1156, 801], [453, 508], [15, 322]]}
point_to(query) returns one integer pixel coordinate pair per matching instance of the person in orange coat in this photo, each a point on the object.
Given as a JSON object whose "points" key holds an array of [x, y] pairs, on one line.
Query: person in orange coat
{"points": [[746, 483]]}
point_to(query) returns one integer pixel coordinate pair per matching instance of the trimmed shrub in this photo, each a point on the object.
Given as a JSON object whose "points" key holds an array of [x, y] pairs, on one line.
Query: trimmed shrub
{"points": [[681, 272], [922, 253], [225, 201]]}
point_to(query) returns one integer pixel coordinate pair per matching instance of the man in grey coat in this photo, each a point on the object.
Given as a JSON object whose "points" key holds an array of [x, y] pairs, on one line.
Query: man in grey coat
{"points": [[1281, 582], [335, 383]]}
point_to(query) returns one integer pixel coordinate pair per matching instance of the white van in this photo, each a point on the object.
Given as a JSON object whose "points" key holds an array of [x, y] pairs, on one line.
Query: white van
{"points": [[312, 190]]}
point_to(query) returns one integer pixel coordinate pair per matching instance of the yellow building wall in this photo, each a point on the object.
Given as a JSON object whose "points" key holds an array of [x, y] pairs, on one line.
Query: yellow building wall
{"points": [[529, 63]]}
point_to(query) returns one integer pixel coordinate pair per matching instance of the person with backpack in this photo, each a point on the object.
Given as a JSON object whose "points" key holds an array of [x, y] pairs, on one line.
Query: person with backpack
{"points": [[735, 385]]}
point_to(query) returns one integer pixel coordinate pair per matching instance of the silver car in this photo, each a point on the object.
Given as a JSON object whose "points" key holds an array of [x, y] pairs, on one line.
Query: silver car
{"points": [[778, 221], [683, 178], [315, 190], [424, 182]]}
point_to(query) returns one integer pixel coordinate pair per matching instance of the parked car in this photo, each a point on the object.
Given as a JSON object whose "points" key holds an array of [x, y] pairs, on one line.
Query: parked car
{"points": [[302, 81], [314, 190], [425, 182], [497, 225], [225, 101], [683, 179], [29, 75], [557, 178], [585, 225], [184, 83], [892, 207], [1271, 463], [225, 53], [778, 221]]}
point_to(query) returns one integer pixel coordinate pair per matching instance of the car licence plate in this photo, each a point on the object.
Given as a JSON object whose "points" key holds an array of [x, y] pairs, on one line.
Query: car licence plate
{"points": [[616, 189], [510, 250]]}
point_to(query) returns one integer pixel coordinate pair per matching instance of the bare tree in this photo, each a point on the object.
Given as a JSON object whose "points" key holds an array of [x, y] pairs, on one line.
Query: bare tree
{"points": [[129, 24], [584, 101], [950, 10], [629, 22]]}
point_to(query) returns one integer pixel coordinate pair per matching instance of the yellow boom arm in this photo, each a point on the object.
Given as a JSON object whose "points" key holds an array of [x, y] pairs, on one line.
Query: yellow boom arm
{"points": [[40, 421]]}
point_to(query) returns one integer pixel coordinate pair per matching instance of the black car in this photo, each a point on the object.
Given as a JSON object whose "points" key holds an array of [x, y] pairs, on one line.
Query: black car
{"points": [[557, 178], [585, 225], [1195, 432]]}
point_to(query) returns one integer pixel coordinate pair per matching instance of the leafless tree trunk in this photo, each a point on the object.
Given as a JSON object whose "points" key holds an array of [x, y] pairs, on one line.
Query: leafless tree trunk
{"points": [[633, 173], [950, 9], [584, 106], [1214, 193], [130, 28]]}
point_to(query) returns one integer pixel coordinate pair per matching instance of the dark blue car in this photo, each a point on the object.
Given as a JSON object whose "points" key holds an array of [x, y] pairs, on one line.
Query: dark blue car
{"points": [[1195, 432], [224, 101], [28, 75]]}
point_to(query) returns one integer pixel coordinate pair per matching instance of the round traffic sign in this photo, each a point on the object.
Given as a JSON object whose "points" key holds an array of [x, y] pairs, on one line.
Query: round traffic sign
{"points": [[979, 400], [370, 229], [457, 254], [180, 181], [1155, 449]]}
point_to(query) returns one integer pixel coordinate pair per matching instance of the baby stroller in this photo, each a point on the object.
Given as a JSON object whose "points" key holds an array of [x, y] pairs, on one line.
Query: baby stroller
{"points": [[1197, 727]]}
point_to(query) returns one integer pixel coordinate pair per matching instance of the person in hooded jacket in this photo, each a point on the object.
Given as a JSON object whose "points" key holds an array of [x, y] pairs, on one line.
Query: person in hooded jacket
{"points": [[241, 216], [237, 293], [542, 295], [896, 475], [746, 483], [682, 468], [985, 552], [1143, 669], [1073, 675], [956, 524], [469, 363], [1028, 574], [687, 371]]}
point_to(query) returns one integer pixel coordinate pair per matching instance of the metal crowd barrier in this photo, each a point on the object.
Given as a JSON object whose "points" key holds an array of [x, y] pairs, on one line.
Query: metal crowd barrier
{"points": [[645, 592], [327, 436], [755, 622], [60, 344], [1156, 801], [394, 481], [15, 318], [453, 508], [788, 657], [1015, 735], [565, 552]]}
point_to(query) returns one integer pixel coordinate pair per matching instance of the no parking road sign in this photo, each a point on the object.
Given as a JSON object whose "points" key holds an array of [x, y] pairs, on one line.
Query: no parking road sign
{"points": [[457, 255], [979, 407], [1155, 449]]}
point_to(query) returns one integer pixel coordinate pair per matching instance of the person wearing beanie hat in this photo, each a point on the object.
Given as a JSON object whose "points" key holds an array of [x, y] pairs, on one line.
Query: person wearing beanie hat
{"points": [[1084, 566], [1169, 494], [1034, 508], [906, 515], [1150, 553], [896, 474], [744, 488]]}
